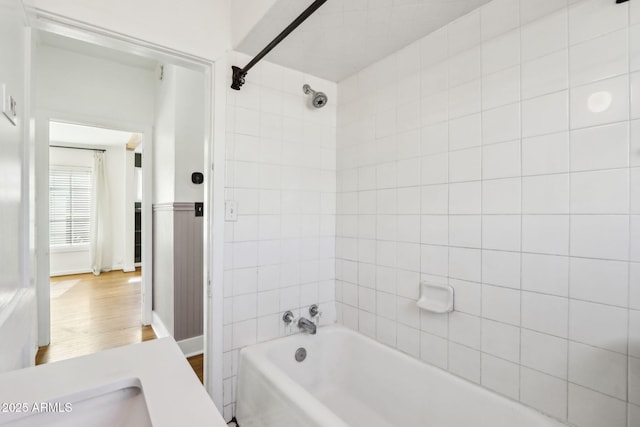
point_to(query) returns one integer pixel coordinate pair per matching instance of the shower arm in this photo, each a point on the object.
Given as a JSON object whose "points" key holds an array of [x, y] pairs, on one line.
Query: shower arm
{"points": [[240, 73]]}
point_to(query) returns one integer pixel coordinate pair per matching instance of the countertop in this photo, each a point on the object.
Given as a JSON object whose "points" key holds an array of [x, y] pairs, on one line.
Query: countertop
{"points": [[173, 393]]}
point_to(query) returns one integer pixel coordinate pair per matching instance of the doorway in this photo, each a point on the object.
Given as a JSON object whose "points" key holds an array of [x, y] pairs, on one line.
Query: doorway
{"points": [[120, 112], [95, 232], [95, 199]]}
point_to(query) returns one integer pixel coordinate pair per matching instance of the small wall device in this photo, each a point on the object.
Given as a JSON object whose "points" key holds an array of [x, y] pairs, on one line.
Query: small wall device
{"points": [[197, 178]]}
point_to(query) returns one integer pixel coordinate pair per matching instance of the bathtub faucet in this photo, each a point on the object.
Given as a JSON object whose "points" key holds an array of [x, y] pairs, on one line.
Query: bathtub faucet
{"points": [[307, 325]]}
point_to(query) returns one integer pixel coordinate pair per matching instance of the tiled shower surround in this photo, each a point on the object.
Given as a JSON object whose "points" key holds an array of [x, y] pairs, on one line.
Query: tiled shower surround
{"points": [[501, 155], [281, 169]]}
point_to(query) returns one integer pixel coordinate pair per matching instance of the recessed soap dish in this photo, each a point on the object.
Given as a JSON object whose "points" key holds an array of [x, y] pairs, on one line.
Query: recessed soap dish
{"points": [[435, 298]]}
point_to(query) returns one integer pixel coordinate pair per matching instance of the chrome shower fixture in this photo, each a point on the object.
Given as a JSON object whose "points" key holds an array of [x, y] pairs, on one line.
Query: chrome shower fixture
{"points": [[318, 99]]}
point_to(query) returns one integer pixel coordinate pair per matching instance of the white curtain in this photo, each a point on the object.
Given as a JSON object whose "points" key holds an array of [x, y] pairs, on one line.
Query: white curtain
{"points": [[100, 218]]}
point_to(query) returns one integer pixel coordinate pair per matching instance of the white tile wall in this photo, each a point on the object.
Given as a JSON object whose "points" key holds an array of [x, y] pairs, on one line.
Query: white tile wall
{"points": [[281, 168], [500, 376], [545, 75], [592, 409], [545, 154], [516, 187], [600, 147], [501, 340], [545, 392], [598, 369], [464, 361], [545, 35], [544, 353]]}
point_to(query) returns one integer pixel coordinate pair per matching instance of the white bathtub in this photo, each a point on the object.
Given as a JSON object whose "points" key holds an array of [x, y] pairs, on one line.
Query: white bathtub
{"points": [[348, 379]]}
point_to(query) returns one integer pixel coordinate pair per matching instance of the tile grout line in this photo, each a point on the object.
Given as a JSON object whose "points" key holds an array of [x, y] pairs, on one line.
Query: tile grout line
{"points": [[420, 130], [448, 120], [630, 222], [482, 84], [520, 101], [569, 138]]}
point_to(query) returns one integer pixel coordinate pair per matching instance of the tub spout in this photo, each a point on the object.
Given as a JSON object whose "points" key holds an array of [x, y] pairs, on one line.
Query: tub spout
{"points": [[307, 325]]}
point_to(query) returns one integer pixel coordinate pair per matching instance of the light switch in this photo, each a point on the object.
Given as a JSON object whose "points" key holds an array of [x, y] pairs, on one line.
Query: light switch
{"points": [[199, 208], [231, 210], [9, 106]]}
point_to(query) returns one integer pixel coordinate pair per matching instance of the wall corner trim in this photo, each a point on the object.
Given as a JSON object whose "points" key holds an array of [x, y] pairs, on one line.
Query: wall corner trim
{"points": [[189, 346], [159, 327], [192, 346]]}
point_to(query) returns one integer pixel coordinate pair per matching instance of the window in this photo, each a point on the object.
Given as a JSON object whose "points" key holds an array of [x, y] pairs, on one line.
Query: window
{"points": [[69, 206]]}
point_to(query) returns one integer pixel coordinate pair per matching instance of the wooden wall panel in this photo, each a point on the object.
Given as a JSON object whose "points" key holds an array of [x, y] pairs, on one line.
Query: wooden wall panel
{"points": [[188, 272], [177, 269]]}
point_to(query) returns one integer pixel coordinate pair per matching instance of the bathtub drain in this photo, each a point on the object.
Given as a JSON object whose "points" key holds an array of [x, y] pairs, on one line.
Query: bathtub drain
{"points": [[301, 354]]}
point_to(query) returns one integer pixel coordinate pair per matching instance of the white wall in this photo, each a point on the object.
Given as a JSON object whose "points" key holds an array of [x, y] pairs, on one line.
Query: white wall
{"points": [[87, 86], [279, 255], [198, 27], [11, 153], [190, 119], [179, 135], [115, 171], [163, 269], [164, 148], [245, 15], [164, 137], [17, 294], [472, 158]]}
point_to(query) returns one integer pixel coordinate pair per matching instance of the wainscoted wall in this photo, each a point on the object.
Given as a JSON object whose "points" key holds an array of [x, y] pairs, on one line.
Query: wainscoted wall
{"points": [[177, 269], [494, 156], [279, 255], [187, 272]]}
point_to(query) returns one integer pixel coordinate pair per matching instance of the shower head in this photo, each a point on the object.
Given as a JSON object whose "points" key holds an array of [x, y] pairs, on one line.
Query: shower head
{"points": [[318, 99]]}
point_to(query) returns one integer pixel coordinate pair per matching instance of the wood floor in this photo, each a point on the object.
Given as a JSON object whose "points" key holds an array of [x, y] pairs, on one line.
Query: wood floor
{"points": [[197, 364], [92, 313]]}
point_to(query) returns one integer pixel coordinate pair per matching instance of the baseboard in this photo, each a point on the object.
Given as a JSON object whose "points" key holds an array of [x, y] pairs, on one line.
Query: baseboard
{"points": [[69, 272], [85, 271], [34, 355], [159, 327], [192, 346]]}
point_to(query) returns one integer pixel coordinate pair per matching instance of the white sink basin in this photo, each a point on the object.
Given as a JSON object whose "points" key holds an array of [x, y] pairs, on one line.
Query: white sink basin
{"points": [[117, 404]]}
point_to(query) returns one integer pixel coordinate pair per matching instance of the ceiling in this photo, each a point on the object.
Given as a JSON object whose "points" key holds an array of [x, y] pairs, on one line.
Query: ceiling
{"points": [[94, 50], [345, 36], [73, 135]]}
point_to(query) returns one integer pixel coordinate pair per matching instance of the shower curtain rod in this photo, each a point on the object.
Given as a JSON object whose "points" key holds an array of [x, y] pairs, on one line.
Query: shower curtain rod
{"points": [[78, 148], [240, 73]]}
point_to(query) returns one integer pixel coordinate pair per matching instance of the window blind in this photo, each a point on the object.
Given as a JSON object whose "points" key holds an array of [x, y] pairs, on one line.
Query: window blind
{"points": [[69, 206]]}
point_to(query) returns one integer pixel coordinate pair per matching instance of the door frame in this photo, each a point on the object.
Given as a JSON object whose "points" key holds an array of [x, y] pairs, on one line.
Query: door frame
{"points": [[43, 121], [214, 168]]}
